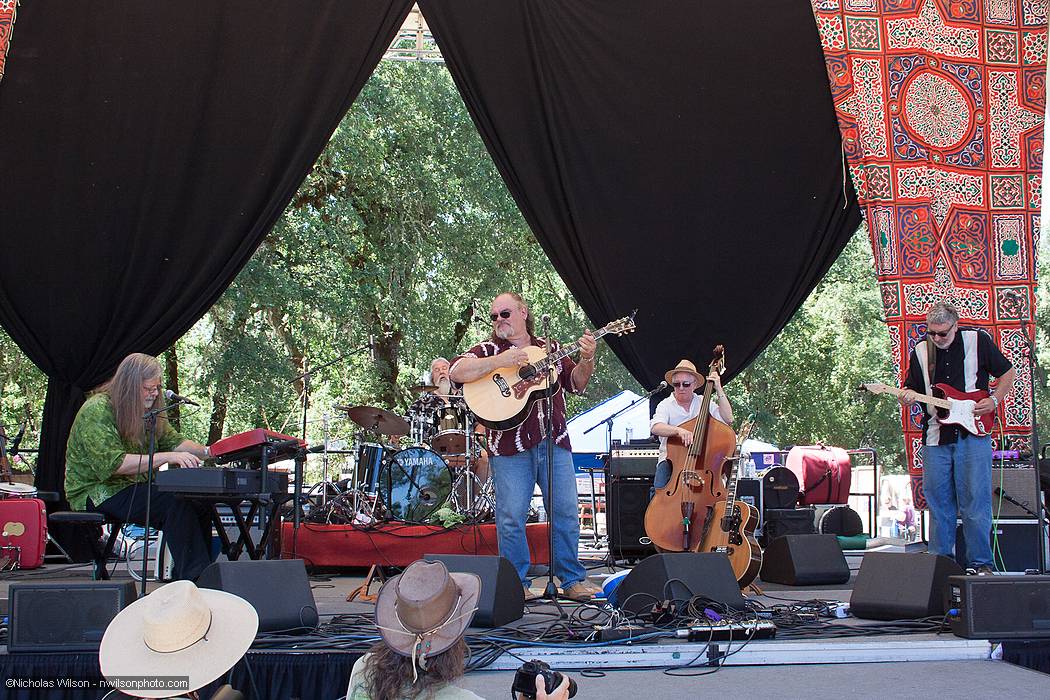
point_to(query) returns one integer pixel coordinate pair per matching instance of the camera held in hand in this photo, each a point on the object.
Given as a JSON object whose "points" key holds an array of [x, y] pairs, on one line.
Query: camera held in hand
{"points": [[525, 679]]}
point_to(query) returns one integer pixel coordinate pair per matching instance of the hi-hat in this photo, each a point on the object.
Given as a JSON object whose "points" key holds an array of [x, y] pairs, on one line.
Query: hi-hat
{"points": [[377, 420]]}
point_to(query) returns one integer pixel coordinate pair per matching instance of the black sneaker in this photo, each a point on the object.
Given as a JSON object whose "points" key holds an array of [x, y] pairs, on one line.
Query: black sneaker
{"points": [[985, 570]]}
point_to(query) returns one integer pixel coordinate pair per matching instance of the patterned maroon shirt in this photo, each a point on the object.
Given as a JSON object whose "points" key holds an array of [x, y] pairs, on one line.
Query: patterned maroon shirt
{"points": [[530, 433]]}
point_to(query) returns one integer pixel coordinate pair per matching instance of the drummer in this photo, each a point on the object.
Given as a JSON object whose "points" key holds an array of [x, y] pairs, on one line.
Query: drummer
{"points": [[439, 379]]}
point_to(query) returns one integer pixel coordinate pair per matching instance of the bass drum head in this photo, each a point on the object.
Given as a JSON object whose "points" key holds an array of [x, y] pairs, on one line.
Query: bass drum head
{"points": [[840, 520], [414, 483]]}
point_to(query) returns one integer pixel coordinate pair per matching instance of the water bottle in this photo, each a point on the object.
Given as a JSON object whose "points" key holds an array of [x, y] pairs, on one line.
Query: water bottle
{"points": [[541, 513], [630, 431]]}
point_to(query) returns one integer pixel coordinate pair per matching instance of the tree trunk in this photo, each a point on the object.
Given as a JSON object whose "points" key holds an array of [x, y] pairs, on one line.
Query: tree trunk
{"points": [[387, 347], [220, 398]]}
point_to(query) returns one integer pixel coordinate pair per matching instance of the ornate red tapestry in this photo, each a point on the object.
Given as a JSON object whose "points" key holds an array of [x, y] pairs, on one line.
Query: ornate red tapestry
{"points": [[7, 24], [941, 104]]}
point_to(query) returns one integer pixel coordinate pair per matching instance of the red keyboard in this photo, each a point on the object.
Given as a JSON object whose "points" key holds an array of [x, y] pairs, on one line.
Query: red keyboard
{"points": [[249, 445]]}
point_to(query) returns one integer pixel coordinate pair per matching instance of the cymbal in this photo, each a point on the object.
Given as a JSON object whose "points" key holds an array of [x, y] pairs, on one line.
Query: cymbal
{"points": [[421, 388], [377, 420]]}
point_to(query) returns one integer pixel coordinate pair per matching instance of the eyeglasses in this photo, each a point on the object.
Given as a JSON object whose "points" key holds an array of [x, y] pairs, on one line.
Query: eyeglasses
{"points": [[683, 385], [502, 314], [940, 334]]}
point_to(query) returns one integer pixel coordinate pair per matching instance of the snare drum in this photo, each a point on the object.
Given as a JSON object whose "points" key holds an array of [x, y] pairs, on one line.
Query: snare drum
{"points": [[370, 458], [10, 489]]}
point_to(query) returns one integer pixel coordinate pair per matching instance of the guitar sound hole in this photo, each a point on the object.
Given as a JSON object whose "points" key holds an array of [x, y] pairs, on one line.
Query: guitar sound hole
{"points": [[527, 372]]}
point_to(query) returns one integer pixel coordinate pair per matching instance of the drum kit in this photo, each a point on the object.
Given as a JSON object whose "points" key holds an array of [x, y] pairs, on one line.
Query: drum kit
{"points": [[407, 468]]}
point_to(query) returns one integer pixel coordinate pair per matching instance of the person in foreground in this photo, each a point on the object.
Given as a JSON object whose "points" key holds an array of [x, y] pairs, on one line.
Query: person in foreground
{"points": [[107, 463], [422, 615], [957, 466], [519, 455], [179, 631]]}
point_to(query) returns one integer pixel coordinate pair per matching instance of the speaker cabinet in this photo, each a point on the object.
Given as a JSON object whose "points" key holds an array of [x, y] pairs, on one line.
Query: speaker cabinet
{"points": [[1019, 483], [628, 499], [502, 598], [679, 576], [278, 589], [64, 616], [1000, 607], [804, 560], [778, 522], [1015, 545], [896, 586]]}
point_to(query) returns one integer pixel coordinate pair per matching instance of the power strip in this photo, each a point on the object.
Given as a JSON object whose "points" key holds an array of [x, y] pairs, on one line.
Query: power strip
{"points": [[724, 630]]}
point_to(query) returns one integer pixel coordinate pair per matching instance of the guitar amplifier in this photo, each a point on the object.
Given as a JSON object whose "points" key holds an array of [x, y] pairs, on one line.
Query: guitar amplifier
{"points": [[1000, 607], [1019, 484], [632, 463]]}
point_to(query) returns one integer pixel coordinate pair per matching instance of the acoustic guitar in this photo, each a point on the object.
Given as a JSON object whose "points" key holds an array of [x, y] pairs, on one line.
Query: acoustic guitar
{"points": [[954, 407], [731, 529], [502, 399]]}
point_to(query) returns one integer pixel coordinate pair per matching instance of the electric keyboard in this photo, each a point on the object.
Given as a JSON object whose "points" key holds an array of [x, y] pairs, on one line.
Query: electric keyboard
{"points": [[219, 481], [250, 446]]}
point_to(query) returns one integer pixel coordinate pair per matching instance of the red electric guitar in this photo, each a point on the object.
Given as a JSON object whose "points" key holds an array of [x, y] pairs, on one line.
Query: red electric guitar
{"points": [[954, 407]]}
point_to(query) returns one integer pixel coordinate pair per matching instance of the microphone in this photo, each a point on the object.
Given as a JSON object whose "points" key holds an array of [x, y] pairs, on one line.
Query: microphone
{"points": [[659, 387], [172, 396]]}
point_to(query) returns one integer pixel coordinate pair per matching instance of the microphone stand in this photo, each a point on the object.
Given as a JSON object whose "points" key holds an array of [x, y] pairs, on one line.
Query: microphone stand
{"points": [[1030, 346], [150, 418], [550, 592]]}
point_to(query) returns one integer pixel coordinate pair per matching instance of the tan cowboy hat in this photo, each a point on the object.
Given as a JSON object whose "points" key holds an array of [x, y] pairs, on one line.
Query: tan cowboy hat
{"points": [[425, 610], [178, 630], [684, 366]]}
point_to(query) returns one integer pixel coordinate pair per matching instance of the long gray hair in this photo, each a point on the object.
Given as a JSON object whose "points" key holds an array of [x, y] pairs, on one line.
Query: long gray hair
{"points": [[124, 389]]}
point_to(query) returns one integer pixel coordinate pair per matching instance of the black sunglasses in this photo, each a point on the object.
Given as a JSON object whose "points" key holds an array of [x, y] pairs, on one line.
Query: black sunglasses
{"points": [[940, 334], [502, 314], [684, 385]]}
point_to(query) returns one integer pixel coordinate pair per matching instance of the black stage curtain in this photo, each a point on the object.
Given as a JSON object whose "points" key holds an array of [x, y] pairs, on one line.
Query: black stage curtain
{"points": [[681, 158], [145, 150]]}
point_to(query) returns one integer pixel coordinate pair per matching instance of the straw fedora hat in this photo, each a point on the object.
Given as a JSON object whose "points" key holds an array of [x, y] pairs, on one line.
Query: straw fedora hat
{"points": [[684, 366], [178, 630], [425, 610]]}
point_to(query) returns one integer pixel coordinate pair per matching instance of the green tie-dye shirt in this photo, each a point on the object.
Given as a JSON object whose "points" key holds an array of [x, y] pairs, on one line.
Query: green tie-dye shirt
{"points": [[95, 450]]}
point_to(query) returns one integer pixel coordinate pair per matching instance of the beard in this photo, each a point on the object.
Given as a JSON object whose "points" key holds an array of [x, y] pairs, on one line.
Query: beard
{"points": [[444, 386], [504, 332]]}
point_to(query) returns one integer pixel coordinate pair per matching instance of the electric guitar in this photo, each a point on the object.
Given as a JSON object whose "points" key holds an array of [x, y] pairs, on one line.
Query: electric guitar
{"points": [[954, 407], [502, 398], [731, 528]]}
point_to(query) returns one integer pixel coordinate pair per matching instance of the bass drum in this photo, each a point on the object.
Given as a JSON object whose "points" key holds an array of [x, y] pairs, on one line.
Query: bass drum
{"points": [[11, 489], [414, 483]]}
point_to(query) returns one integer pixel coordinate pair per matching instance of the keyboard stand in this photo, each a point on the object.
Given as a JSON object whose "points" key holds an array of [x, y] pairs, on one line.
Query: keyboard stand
{"points": [[255, 550]]}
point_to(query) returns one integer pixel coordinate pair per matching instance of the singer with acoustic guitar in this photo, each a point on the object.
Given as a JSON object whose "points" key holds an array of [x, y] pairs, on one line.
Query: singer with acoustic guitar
{"points": [[519, 453], [957, 465]]}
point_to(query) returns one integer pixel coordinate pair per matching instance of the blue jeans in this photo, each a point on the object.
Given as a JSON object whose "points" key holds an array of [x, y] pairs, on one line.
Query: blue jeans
{"points": [[515, 477], [958, 478]]}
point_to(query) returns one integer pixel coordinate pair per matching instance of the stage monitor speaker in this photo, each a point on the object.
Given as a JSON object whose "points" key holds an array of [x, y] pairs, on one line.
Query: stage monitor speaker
{"points": [[679, 576], [804, 560], [1000, 607], [628, 500], [898, 586], [1015, 545], [64, 616], [502, 597], [278, 589]]}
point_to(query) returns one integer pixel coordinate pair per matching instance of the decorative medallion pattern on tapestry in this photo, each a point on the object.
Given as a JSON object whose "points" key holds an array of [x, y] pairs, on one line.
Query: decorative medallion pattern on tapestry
{"points": [[7, 25], [941, 104]]}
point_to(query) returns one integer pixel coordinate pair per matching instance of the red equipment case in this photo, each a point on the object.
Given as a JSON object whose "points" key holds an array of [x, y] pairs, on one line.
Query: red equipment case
{"points": [[23, 531], [823, 473]]}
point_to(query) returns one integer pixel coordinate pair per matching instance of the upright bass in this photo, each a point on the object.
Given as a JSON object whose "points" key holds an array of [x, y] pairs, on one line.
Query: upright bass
{"points": [[676, 516]]}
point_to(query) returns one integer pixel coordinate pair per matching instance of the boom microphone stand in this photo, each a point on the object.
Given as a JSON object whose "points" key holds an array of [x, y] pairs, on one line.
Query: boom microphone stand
{"points": [[150, 417], [550, 592]]}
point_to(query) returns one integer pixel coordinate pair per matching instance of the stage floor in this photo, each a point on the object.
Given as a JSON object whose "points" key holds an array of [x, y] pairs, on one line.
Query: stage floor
{"points": [[812, 667]]}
